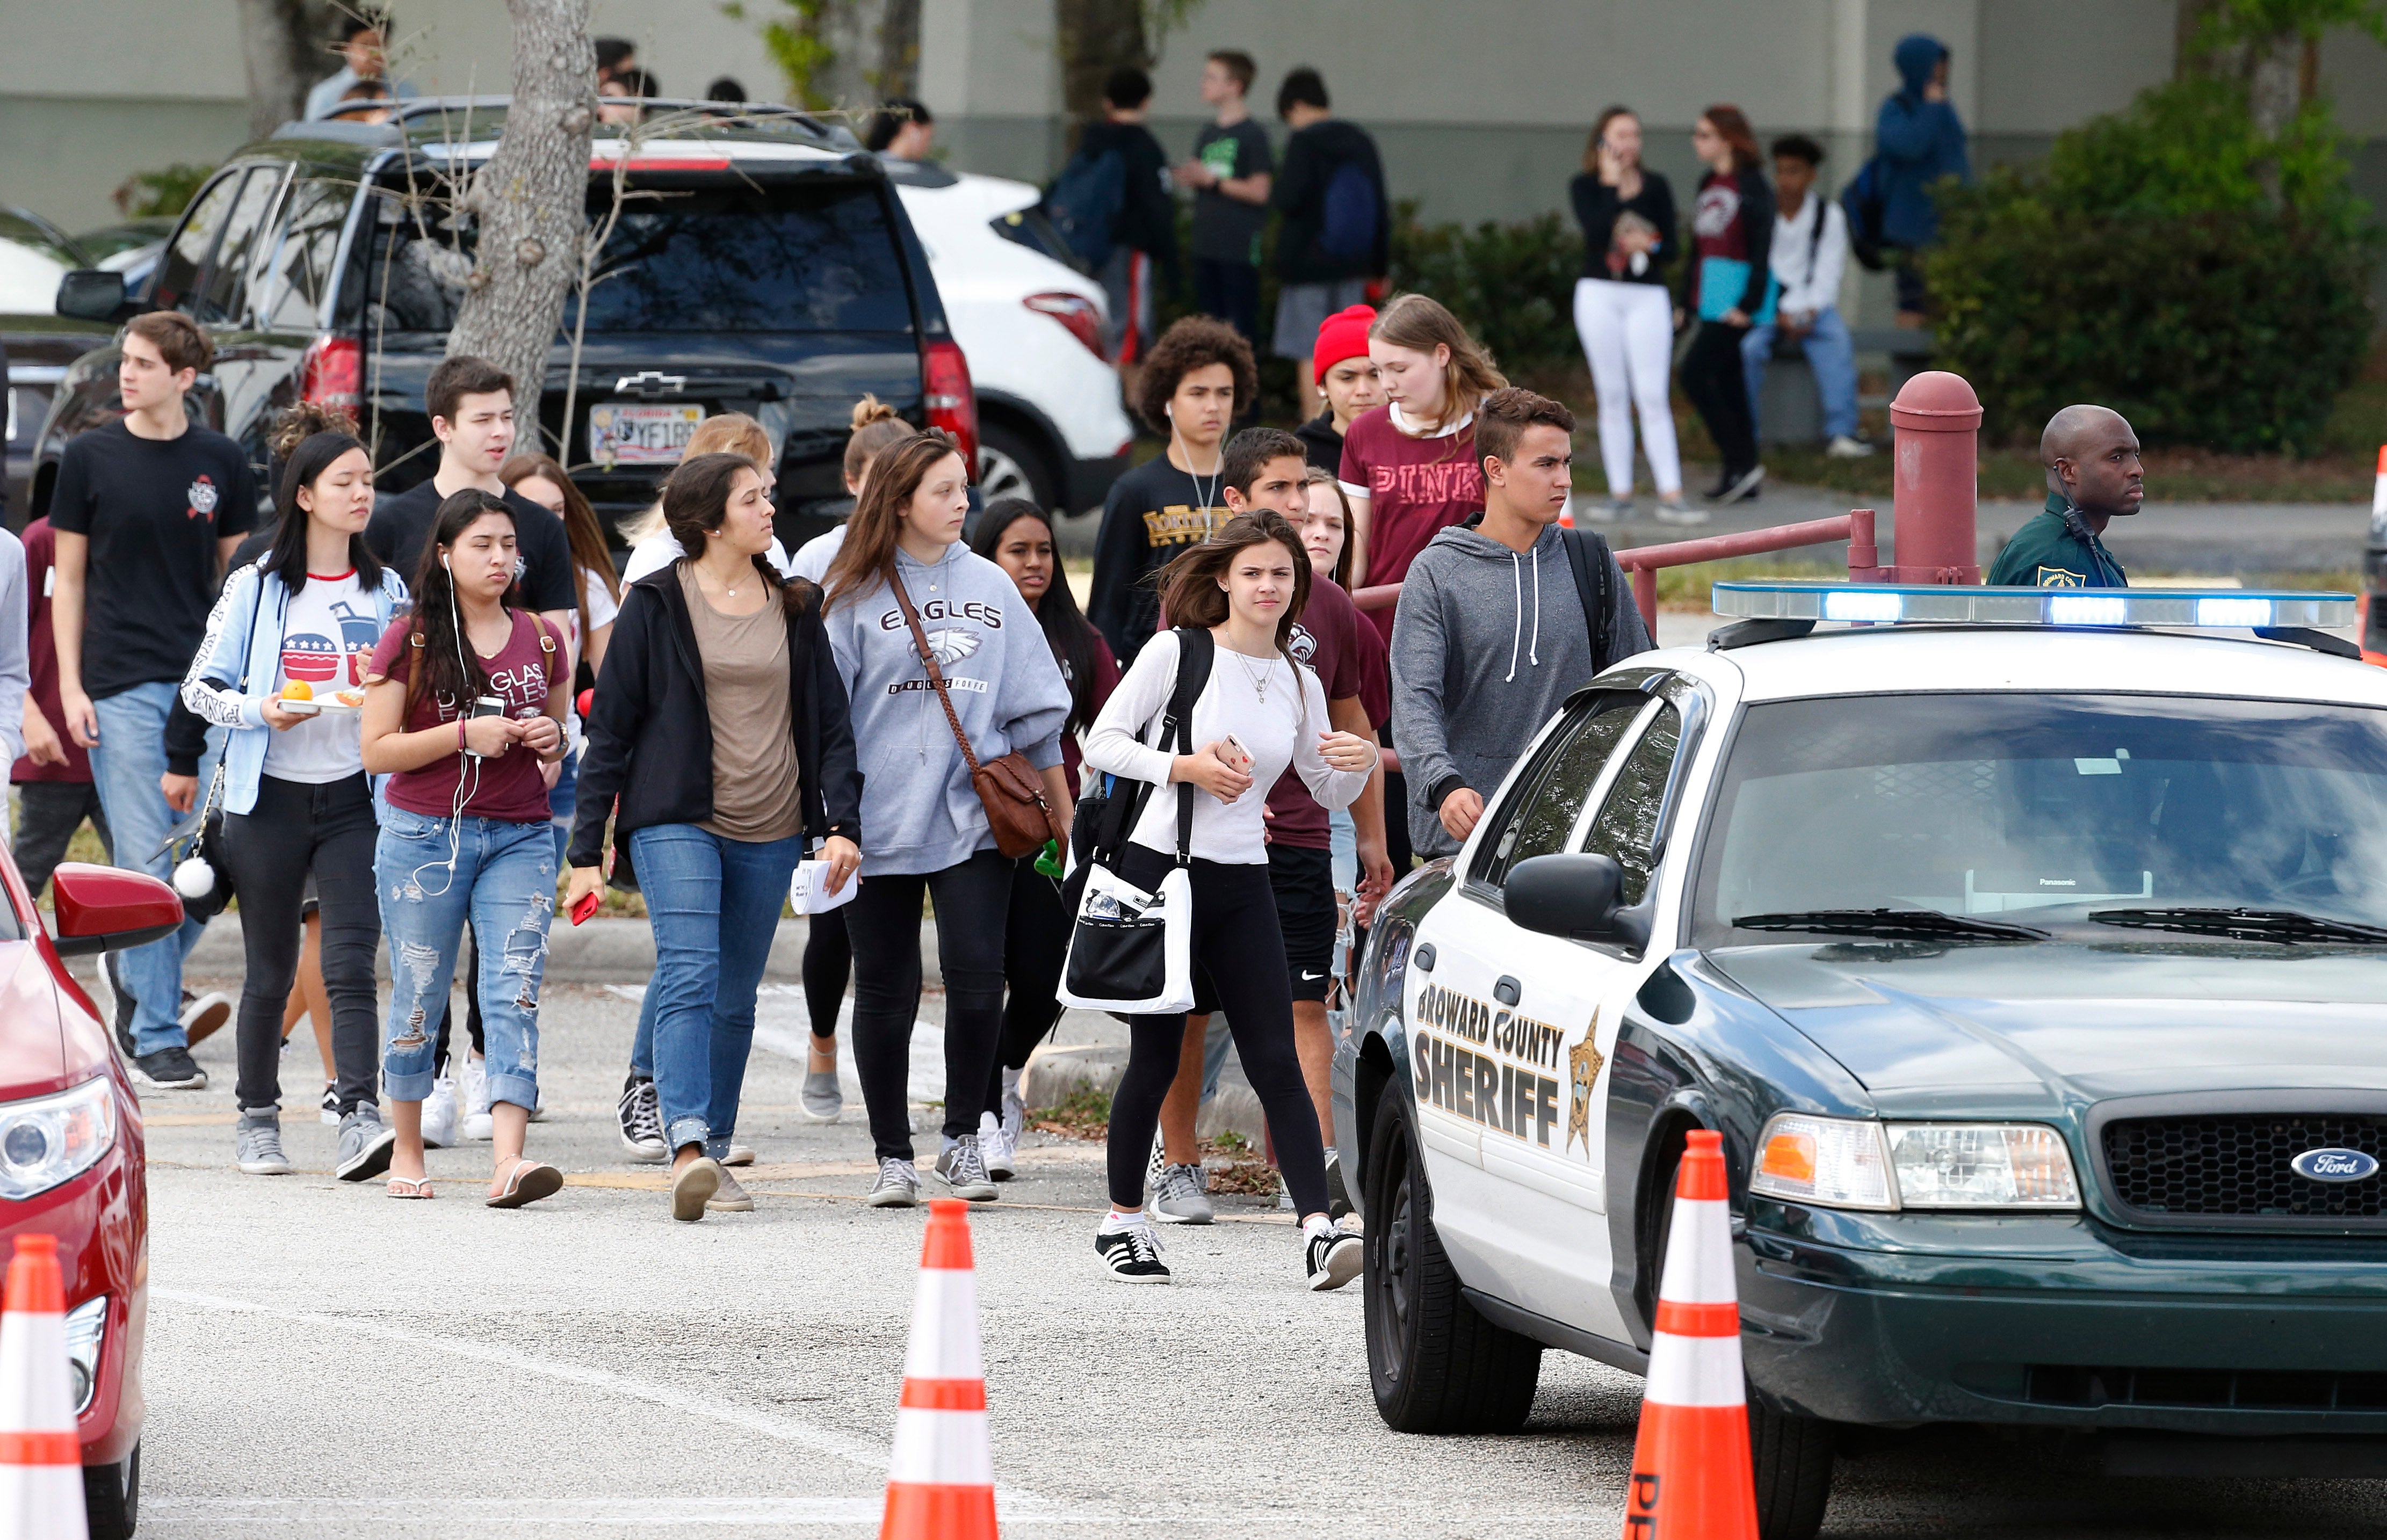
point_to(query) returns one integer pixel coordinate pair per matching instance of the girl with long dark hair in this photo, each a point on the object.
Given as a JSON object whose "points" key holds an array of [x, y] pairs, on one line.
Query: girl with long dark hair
{"points": [[1623, 310], [1732, 239], [464, 705], [1016, 535], [904, 582], [725, 762], [281, 670], [1246, 585]]}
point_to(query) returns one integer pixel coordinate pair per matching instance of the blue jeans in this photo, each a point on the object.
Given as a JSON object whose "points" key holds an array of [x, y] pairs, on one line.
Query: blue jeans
{"points": [[715, 905], [562, 799], [503, 881], [126, 767], [1829, 354]]}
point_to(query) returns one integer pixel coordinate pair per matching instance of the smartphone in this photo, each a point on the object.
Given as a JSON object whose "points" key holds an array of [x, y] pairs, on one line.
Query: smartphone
{"points": [[585, 907], [1232, 750], [487, 705]]}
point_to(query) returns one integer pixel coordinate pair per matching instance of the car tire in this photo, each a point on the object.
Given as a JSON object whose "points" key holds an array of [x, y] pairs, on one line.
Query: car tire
{"points": [[112, 1497], [1436, 1366], [1792, 1457], [1010, 464]]}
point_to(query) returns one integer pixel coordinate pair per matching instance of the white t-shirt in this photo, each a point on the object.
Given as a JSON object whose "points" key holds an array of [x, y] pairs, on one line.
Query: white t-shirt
{"points": [[815, 556], [327, 640], [660, 550]]}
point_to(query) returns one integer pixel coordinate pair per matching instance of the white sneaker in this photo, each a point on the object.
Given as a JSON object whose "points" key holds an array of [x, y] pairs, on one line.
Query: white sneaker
{"points": [[331, 1112], [994, 1147], [1015, 1110], [1844, 446], [473, 1089], [439, 1114], [1681, 514]]}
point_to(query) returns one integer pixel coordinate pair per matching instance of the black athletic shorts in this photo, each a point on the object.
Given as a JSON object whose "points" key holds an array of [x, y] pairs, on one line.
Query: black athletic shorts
{"points": [[1303, 881]]}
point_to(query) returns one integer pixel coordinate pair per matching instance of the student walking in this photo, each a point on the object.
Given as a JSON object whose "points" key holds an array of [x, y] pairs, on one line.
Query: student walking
{"points": [[1810, 255], [464, 706], [1919, 139], [945, 669], [1732, 236], [54, 794], [1121, 176], [727, 755], [146, 512], [1624, 312], [1246, 587], [1016, 535], [1230, 172], [288, 633], [1349, 380], [1337, 232]]}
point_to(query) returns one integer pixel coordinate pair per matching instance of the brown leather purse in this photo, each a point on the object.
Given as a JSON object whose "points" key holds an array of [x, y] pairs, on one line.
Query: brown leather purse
{"points": [[1009, 789]]}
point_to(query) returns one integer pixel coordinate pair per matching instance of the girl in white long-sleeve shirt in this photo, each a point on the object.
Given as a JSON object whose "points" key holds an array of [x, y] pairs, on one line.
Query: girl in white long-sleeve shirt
{"points": [[1246, 585]]}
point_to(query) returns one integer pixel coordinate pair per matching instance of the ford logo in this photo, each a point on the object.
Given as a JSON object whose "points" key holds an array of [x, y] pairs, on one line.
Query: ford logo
{"points": [[2334, 1165]]}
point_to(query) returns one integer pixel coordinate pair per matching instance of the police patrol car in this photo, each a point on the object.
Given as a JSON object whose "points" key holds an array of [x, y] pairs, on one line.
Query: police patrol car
{"points": [[2028, 948]]}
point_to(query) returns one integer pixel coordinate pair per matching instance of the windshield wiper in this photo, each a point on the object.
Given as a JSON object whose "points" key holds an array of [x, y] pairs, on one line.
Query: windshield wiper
{"points": [[1892, 924], [2285, 926]]}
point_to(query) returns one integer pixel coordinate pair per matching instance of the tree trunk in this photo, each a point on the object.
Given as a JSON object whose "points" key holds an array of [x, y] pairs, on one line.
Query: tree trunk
{"points": [[899, 49], [285, 48], [1096, 37], [2273, 66], [531, 200]]}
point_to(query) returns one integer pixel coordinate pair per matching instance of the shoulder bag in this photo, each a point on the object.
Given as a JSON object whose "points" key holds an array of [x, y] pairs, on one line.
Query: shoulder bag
{"points": [[1009, 789]]}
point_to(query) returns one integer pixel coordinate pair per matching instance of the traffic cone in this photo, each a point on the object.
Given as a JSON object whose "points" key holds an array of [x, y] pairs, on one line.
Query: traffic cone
{"points": [[41, 1459], [1691, 1475], [940, 1483]]}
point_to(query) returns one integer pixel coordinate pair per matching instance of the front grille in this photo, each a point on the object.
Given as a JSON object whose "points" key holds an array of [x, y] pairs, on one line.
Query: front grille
{"points": [[2258, 1390], [2234, 1166]]}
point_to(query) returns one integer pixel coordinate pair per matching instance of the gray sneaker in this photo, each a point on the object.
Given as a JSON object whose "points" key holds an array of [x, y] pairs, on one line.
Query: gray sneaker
{"points": [[365, 1143], [1014, 1109], [257, 1144], [962, 1169], [730, 1198], [898, 1185], [821, 1099], [1178, 1198]]}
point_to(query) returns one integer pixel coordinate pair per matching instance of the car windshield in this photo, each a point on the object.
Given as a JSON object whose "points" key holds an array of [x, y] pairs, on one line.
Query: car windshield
{"points": [[2050, 810]]}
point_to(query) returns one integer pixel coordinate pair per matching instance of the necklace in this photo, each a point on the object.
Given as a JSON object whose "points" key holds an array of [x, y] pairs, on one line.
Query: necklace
{"points": [[1259, 679]]}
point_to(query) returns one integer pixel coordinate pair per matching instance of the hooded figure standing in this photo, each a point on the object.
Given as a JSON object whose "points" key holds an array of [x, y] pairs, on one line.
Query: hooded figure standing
{"points": [[1919, 139]]}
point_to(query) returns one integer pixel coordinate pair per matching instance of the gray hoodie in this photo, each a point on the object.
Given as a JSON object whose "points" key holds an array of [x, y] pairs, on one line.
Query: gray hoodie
{"points": [[919, 811], [1488, 643]]}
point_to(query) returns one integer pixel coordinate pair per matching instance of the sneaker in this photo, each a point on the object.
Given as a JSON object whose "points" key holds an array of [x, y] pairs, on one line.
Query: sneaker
{"points": [[1844, 446], [473, 1087], [994, 1147], [1283, 1194], [1015, 1110], [257, 1144], [821, 1098], [365, 1145], [898, 1185], [962, 1169], [730, 1198], [739, 1155], [640, 1115], [439, 1114], [1178, 1197], [1133, 1253], [170, 1070], [694, 1185], [1615, 511], [331, 1112], [1682, 514], [1155, 1162], [1338, 1196], [1745, 489], [1335, 1258], [204, 1016], [116, 1006]]}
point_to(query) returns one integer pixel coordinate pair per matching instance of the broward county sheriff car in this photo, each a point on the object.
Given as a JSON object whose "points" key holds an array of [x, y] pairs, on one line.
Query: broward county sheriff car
{"points": [[2028, 950]]}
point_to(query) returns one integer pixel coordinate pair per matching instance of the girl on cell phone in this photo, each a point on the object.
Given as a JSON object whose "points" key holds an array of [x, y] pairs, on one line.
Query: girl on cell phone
{"points": [[1624, 312]]}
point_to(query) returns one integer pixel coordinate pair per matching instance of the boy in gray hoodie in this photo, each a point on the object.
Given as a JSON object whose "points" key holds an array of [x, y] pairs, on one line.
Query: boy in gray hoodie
{"points": [[1491, 635]]}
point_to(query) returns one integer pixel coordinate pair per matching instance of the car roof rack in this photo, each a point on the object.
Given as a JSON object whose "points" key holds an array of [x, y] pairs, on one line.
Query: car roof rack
{"points": [[762, 117]]}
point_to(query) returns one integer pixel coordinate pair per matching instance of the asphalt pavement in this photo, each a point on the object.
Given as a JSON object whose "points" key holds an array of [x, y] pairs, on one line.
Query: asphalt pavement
{"points": [[324, 1360]]}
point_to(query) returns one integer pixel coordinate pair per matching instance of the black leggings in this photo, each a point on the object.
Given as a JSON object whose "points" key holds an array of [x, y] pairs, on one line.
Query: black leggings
{"points": [[1717, 382], [829, 962], [884, 922], [267, 851], [1035, 943], [1237, 938]]}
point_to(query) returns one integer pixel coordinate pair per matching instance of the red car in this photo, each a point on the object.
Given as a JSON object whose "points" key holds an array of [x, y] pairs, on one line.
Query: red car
{"points": [[71, 1157]]}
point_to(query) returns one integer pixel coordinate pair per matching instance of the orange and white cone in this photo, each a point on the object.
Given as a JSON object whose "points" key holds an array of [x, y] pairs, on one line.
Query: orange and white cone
{"points": [[940, 1483], [41, 1459], [1691, 1475]]}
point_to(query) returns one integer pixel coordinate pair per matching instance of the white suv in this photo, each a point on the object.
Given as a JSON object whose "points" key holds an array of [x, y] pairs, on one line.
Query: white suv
{"points": [[1051, 424]]}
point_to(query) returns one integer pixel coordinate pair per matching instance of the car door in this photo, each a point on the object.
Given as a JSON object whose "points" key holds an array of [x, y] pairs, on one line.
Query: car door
{"points": [[247, 366]]}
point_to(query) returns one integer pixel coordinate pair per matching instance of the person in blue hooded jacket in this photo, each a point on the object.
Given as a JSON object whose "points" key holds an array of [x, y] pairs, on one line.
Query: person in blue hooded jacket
{"points": [[1919, 139]]}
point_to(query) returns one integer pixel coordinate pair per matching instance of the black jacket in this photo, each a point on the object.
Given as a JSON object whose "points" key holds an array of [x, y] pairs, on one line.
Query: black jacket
{"points": [[1322, 443], [1147, 217], [650, 740], [1311, 157], [1596, 210]]}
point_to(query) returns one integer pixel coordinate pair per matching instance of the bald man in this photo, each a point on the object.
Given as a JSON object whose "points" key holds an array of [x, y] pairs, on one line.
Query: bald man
{"points": [[2094, 477]]}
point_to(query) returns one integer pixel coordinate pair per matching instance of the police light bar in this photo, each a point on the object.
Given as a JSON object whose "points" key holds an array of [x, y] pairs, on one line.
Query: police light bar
{"points": [[1891, 603]]}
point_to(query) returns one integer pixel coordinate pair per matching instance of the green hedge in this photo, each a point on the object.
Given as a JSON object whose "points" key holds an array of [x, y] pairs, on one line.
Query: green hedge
{"points": [[1511, 284]]}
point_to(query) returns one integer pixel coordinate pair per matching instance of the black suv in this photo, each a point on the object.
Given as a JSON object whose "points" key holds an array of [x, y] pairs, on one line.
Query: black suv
{"points": [[765, 267]]}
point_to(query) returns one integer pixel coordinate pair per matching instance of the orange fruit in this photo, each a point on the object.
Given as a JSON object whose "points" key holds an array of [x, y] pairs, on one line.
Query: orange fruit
{"points": [[297, 689]]}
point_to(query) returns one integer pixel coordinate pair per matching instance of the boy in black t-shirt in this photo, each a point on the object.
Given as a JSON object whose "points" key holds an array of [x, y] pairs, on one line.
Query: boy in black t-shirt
{"points": [[146, 512], [1198, 375], [1230, 173]]}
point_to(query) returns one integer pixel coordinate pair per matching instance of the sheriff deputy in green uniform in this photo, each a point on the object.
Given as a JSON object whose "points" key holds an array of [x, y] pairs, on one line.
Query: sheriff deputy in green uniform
{"points": [[2094, 477]]}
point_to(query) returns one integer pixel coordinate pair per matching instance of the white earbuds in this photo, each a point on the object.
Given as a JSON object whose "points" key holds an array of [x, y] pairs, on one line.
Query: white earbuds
{"points": [[194, 879]]}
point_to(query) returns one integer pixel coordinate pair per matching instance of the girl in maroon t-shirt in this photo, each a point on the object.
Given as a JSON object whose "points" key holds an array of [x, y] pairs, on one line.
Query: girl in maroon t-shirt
{"points": [[1409, 465], [465, 835]]}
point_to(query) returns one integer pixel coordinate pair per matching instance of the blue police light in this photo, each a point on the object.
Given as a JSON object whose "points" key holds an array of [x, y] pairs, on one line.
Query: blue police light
{"points": [[1889, 603]]}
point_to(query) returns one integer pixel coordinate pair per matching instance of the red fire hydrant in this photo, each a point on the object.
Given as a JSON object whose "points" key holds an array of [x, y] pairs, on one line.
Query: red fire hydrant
{"points": [[1935, 424]]}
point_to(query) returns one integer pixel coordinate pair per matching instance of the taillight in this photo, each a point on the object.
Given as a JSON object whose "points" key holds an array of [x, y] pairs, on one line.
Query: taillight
{"points": [[331, 373], [1076, 313], [952, 403]]}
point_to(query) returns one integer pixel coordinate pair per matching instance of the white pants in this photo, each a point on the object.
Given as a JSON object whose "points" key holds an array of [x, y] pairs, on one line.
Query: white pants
{"points": [[1628, 335]]}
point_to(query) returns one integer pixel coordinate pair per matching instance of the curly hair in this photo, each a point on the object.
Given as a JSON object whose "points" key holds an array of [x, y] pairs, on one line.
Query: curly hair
{"points": [[1193, 342]]}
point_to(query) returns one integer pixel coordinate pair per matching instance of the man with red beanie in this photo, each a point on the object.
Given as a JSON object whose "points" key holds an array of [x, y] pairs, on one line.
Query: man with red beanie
{"points": [[1343, 372]]}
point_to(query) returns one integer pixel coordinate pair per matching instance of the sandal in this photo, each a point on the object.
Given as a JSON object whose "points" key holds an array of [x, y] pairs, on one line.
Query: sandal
{"points": [[411, 1187], [529, 1181]]}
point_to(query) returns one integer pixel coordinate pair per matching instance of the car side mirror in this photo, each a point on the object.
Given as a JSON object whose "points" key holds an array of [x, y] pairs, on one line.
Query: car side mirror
{"points": [[89, 294], [1577, 896], [104, 909]]}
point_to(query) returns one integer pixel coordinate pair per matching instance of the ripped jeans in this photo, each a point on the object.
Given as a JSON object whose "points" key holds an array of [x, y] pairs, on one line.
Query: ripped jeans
{"points": [[504, 882]]}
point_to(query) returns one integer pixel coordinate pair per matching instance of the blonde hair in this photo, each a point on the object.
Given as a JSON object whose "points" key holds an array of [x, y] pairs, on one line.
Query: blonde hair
{"points": [[1414, 321], [875, 427], [730, 432]]}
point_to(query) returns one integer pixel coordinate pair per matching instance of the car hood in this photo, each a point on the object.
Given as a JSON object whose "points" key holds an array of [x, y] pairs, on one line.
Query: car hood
{"points": [[35, 1054], [1943, 1030]]}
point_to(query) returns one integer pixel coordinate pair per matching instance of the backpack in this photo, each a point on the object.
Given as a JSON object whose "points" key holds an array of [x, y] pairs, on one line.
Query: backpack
{"points": [[1862, 202], [1347, 229], [1084, 200], [1587, 554]]}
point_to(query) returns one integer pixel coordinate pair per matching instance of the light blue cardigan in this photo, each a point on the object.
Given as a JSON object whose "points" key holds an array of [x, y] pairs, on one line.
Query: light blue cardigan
{"points": [[247, 623]]}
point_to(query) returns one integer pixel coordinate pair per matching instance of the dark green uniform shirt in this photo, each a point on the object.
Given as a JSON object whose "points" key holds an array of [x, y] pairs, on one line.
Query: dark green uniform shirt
{"points": [[2056, 550]]}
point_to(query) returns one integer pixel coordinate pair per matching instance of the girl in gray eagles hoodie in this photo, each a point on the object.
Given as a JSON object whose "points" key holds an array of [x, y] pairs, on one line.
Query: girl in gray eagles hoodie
{"points": [[928, 834]]}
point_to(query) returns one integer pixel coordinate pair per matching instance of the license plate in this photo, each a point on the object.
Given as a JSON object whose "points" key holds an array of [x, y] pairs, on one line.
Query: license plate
{"points": [[626, 433]]}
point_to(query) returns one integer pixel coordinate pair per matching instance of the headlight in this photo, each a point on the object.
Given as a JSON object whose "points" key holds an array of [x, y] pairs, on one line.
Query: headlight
{"points": [[54, 1139], [1850, 1163], [87, 1330]]}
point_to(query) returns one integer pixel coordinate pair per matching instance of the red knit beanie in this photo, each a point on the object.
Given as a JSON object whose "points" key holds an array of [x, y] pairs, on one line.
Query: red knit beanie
{"points": [[1344, 336]]}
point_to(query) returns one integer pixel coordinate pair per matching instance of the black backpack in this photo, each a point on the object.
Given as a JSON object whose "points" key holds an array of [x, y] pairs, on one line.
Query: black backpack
{"points": [[1587, 554], [1862, 202]]}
